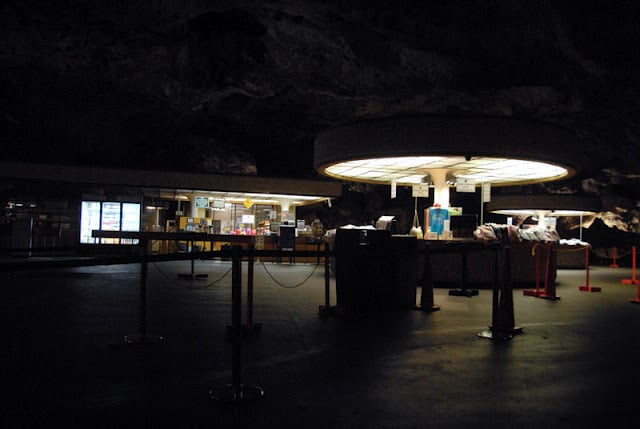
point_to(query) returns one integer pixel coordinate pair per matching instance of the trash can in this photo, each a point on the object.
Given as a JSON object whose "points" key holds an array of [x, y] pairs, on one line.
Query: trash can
{"points": [[375, 271]]}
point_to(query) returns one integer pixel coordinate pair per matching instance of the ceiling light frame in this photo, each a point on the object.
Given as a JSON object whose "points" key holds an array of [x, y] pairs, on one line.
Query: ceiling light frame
{"points": [[498, 150]]}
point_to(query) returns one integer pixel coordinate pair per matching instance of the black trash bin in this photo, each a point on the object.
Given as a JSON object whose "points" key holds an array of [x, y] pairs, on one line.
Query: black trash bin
{"points": [[375, 271]]}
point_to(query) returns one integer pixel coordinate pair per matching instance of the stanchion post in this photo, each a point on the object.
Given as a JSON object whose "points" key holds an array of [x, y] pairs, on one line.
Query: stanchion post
{"points": [[587, 287], [549, 278], [615, 258], [142, 337], [192, 275], [236, 391], [536, 251], [503, 318], [426, 297], [250, 327], [636, 300], [632, 280], [250, 259], [326, 309]]}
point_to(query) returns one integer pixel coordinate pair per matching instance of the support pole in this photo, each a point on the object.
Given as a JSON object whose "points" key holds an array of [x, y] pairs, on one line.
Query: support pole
{"points": [[615, 258], [535, 250], [502, 317], [586, 287], [141, 337], [236, 391], [326, 309], [464, 279], [426, 297], [549, 278], [632, 280], [250, 327], [192, 275]]}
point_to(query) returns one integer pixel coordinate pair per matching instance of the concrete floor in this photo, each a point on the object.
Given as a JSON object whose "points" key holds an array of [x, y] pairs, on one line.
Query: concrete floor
{"points": [[64, 363]]}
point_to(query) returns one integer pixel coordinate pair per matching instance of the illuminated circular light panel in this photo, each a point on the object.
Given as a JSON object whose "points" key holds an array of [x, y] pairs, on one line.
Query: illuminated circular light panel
{"points": [[551, 213], [545, 204], [410, 170]]}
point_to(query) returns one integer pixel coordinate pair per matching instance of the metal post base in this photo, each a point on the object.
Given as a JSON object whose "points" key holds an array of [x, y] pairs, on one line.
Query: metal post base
{"points": [[233, 394], [589, 289], [549, 297], [142, 339], [635, 301], [425, 308], [245, 331], [630, 282], [463, 292], [539, 294], [500, 335], [325, 311]]}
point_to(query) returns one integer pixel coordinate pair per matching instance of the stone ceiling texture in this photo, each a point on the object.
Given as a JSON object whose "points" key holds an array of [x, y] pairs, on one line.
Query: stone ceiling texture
{"points": [[243, 87]]}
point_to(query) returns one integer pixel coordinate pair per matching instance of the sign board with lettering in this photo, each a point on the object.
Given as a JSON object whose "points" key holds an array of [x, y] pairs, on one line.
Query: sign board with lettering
{"points": [[465, 185], [420, 190]]}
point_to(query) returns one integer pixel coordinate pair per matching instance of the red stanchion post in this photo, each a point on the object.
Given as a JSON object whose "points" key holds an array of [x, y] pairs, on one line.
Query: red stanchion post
{"points": [[586, 287], [632, 280], [536, 251], [615, 258], [637, 299]]}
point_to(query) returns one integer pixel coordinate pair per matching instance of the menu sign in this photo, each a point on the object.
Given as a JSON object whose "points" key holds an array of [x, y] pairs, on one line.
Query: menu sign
{"points": [[110, 216]]}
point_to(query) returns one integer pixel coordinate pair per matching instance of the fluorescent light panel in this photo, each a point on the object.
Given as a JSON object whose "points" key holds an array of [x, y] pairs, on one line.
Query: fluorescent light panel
{"points": [[410, 170]]}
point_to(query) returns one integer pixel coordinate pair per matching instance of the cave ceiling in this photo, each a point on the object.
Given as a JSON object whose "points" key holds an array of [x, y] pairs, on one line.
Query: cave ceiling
{"points": [[243, 87]]}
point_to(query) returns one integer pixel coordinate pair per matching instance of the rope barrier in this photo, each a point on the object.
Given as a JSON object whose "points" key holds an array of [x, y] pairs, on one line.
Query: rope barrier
{"points": [[577, 249], [184, 285], [282, 284], [617, 254]]}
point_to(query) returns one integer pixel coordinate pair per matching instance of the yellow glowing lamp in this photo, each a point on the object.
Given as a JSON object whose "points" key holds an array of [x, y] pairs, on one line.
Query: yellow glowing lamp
{"points": [[248, 203]]}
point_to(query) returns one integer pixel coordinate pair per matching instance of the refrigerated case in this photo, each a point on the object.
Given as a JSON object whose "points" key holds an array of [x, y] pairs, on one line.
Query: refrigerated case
{"points": [[108, 216]]}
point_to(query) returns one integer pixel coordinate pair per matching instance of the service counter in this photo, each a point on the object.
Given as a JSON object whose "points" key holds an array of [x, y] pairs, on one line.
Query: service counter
{"points": [[450, 260], [376, 270]]}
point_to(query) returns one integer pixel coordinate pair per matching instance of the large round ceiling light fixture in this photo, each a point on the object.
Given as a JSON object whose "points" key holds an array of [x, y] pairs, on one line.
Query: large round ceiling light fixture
{"points": [[497, 150]]}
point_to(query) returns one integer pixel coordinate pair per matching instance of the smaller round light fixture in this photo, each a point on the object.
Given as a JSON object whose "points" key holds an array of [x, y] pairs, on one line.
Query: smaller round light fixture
{"points": [[547, 204]]}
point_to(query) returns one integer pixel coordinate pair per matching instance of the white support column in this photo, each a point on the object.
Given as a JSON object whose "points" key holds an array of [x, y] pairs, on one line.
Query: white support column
{"points": [[285, 210], [441, 189]]}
